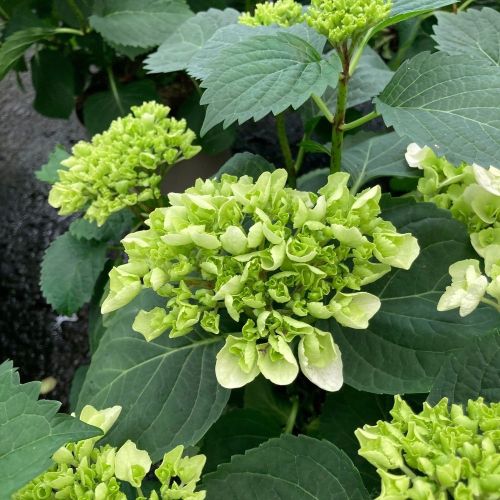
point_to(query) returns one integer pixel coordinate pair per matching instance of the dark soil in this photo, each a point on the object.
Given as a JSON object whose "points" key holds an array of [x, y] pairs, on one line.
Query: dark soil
{"points": [[40, 343]]}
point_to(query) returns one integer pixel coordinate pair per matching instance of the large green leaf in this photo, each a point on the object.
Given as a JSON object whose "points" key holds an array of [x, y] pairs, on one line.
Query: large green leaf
{"points": [[53, 78], [70, 270], [167, 387], [472, 33], [470, 373], [370, 78], [287, 468], [265, 74], [100, 109], [30, 431], [15, 46], [138, 24], [408, 340], [406, 9], [175, 53], [48, 172], [234, 433], [345, 411], [113, 229], [245, 164], [447, 102]]}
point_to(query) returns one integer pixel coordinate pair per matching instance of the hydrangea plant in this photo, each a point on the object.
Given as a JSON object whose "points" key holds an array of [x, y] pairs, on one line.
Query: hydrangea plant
{"points": [[443, 450], [276, 259], [281, 12], [123, 166], [85, 470], [472, 194]]}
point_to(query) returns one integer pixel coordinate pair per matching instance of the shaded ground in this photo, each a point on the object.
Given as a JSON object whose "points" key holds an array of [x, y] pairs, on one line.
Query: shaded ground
{"points": [[30, 333]]}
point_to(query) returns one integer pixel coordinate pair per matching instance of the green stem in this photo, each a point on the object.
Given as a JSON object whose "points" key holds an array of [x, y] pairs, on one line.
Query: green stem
{"points": [[290, 424], [359, 52], [68, 31], [78, 13], [464, 5], [302, 150], [323, 107], [360, 121], [408, 471], [285, 148], [139, 491], [114, 90], [339, 120], [3, 13], [491, 303]]}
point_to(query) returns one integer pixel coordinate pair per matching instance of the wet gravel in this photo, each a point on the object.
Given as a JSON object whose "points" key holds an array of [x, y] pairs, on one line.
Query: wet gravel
{"points": [[39, 343]]}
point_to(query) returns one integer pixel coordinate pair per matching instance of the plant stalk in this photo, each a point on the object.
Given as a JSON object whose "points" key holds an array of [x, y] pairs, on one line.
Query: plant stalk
{"points": [[114, 90], [78, 13], [464, 5], [323, 107], [339, 120], [290, 424], [3, 13], [491, 303], [360, 121], [285, 148], [68, 31]]}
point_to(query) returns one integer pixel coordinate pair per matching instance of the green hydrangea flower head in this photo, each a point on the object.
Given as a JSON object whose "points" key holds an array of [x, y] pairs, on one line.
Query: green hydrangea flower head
{"points": [[271, 259], [472, 194], [124, 165], [443, 449], [282, 13], [340, 20], [84, 470]]}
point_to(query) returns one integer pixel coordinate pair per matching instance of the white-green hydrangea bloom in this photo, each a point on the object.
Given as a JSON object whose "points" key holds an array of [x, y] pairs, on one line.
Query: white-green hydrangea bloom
{"points": [[340, 20], [274, 259], [82, 470], [124, 165], [441, 451], [472, 194], [282, 13]]}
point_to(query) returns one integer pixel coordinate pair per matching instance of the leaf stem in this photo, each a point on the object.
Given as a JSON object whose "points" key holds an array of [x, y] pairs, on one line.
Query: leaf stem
{"points": [[68, 31], [323, 107], [360, 121], [464, 5], [359, 52], [139, 491], [302, 150], [292, 417], [491, 303], [285, 148], [407, 471], [114, 90], [339, 120], [78, 13]]}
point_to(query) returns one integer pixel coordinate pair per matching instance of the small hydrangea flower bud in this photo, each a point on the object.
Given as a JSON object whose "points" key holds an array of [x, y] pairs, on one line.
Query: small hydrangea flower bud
{"points": [[281, 12], [132, 464]]}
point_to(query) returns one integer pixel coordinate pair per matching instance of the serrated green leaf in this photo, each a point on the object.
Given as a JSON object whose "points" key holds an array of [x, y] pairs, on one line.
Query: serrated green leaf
{"points": [[370, 78], [406, 9], [53, 78], [101, 108], [48, 172], [175, 53], [408, 340], [236, 432], [291, 468], [471, 33], [30, 431], [345, 411], [265, 74], [16, 45], [70, 270], [314, 180], [116, 225], [245, 164], [470, 373], [167, 387], [447, 102], [138, 24]]}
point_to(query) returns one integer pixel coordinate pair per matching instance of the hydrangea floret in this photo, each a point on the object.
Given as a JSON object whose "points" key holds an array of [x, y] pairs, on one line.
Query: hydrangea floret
{"points": [[441, 450], [472, 194], [84, 470], [341, 20], [124, 165], [273, 259], [282, 13]]}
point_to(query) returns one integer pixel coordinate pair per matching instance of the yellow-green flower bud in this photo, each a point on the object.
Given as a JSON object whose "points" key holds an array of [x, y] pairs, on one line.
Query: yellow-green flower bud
{"points": [[281, 12]]}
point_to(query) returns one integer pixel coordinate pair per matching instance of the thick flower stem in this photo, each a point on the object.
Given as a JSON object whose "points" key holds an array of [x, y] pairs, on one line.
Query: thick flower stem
{"points": [[339, 120], [290, 424], [285, 149]]}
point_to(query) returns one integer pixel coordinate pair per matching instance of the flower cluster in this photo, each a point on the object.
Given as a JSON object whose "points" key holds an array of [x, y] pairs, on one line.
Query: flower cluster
{"points": [[340, 20], [437, 450], [282, 12], [83, 470], [124, 165], [472, 194], [275, 259]]}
